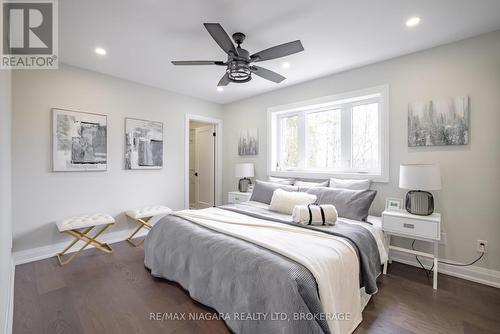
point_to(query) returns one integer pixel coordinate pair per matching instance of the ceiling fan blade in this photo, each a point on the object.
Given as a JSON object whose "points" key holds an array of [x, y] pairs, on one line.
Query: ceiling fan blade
{"points": [[267, 74], [221, 37], [224, 81], [278, 51], [197, 62]]}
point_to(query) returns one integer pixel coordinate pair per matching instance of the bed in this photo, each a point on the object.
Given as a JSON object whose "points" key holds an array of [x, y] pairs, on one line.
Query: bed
{"points": [[264, 274]]}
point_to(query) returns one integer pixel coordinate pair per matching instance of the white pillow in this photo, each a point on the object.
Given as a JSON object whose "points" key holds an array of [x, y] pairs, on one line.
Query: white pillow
{"points": [[350, 184], [280, 180], [284, 201], [311, 184]]}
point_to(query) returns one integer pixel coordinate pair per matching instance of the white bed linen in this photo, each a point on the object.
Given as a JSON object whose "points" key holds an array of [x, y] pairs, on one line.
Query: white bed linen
{"points": [[331, 260], [375, 228]]}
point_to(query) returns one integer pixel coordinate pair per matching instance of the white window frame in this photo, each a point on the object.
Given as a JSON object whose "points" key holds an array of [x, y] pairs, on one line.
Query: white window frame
{"points": [[379, 94]]}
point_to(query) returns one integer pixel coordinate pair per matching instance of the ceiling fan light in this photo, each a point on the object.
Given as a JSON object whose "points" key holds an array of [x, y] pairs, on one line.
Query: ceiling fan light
{"points": [[238, 71]]}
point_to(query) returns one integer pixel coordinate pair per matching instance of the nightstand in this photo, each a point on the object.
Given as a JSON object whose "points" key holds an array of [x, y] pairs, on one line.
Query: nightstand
{"points": [[403, 224], [234, 197]]}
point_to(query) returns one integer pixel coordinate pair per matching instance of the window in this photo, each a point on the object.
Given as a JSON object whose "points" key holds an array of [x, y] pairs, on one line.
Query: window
{"points": [[342, 135]]}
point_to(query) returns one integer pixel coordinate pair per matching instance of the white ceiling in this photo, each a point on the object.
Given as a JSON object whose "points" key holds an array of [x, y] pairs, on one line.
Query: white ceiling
{"points": [[142, 37]]}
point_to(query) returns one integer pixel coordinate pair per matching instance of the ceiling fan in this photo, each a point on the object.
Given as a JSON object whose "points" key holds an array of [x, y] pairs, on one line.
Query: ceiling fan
{"points": [[239, 64]]}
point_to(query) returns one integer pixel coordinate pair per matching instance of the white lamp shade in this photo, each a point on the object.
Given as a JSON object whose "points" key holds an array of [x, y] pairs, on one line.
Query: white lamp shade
{"points": [[420, 177], [244, 170]]}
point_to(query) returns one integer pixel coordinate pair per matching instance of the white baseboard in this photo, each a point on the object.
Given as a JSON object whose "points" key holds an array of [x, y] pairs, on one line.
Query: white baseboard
{"points": [[9, 312], [471, 273], [45, 252]]}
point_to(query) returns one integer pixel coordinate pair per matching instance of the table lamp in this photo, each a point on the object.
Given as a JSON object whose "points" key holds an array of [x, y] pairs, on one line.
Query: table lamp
{"points": [[419, 179], [244, 171]]}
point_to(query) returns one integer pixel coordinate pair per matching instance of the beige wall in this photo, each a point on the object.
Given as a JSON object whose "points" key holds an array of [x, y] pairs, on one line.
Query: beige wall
{"points": [[41, 196], [469, 200], [5, 194]]}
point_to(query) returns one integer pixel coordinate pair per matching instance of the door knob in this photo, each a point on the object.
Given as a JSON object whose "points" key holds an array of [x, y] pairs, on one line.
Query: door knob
{"points": [[195, 174]]}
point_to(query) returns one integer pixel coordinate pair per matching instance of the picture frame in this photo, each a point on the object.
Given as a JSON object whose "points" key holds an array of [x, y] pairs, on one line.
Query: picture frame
{"points": [[394, 204], [79, 141], [439, 122], [144, 144], [248, 143]]}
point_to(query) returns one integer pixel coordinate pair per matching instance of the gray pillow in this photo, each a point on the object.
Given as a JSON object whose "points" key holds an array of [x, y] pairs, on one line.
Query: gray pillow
{"points": [[351, 204], [263, 191]]}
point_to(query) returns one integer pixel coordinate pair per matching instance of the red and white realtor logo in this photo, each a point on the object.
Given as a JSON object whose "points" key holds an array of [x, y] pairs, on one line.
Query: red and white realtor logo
{"points": [[29, 34]]}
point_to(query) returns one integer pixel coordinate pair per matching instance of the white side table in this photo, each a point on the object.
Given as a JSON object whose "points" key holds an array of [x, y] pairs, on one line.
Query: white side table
{"points": [[403, 224], [234, 197]]}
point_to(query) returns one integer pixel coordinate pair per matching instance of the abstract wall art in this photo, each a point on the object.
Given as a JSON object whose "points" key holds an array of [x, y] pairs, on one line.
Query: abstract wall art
{"points": [[439, 122], [143, 144], [79, 141], [249, 142]]}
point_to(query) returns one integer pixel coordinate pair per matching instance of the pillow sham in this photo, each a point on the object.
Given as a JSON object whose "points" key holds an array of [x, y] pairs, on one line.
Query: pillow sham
{"points": [[280, 180], [351, 204], [263, 191], [284, 201], [350, 184], [306, 184]]}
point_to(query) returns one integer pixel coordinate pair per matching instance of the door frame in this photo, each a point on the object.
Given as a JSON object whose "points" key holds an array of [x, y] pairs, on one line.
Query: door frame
{"points": [[218, 156]]}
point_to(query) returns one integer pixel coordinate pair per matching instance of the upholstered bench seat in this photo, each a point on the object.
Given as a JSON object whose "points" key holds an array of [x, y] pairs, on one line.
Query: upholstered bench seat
{"points": [[148, 211], [79, 228], [84, 221], [142, 216]]}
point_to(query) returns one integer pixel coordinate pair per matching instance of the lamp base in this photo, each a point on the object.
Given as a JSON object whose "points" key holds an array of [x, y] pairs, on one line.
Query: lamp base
{"points": [[419, 202], [243, 184]]}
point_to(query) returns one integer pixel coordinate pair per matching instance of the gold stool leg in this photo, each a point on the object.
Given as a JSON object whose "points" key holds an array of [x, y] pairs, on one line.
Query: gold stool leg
{"points": [[89, 240], [77, 238], [143, 223]]}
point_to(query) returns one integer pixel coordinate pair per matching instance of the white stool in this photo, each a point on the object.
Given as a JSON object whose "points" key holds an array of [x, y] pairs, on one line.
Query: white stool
{"points": [[72, 226], [142, 216]]}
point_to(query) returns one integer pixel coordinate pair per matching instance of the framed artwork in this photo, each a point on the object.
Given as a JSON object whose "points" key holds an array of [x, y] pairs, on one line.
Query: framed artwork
{"points": [[394, 204], [143, 144], [79, 141], [439, 122], [249, 142]]}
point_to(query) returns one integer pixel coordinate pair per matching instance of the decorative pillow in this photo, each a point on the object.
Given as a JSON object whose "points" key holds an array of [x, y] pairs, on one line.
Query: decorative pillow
{"points": [[279, 180], [302, 214], [351, 204], [284, 201], [263, 191], [350, 184], [305, 184]]}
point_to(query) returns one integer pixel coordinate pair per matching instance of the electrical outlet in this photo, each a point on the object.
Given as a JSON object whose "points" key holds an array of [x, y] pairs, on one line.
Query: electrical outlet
{"points": [[482, 246]]}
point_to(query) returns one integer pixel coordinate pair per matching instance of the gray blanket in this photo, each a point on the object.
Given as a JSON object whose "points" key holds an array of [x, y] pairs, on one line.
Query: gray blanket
{"points": [[255, 290], [360, 238]]}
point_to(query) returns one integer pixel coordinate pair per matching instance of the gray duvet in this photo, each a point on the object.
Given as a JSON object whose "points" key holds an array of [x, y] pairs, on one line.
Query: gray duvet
{"points": [[255, 290]]}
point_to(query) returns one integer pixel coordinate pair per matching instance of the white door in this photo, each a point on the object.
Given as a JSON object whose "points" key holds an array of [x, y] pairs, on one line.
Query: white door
{"points": [[204, 162], [192, 170]]}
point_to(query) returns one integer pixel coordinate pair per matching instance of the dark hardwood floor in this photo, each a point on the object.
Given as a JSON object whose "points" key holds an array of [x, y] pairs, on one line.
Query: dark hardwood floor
{"points": [[113, 293]]}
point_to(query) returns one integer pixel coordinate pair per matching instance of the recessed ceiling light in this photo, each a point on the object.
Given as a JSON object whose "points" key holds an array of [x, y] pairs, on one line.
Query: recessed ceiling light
{"points": [[220, 89], [285, 65], [100, 51], [413, 21]]}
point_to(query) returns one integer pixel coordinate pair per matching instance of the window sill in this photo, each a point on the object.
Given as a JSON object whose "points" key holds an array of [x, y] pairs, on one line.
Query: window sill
{"points": [[326, 175]]}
